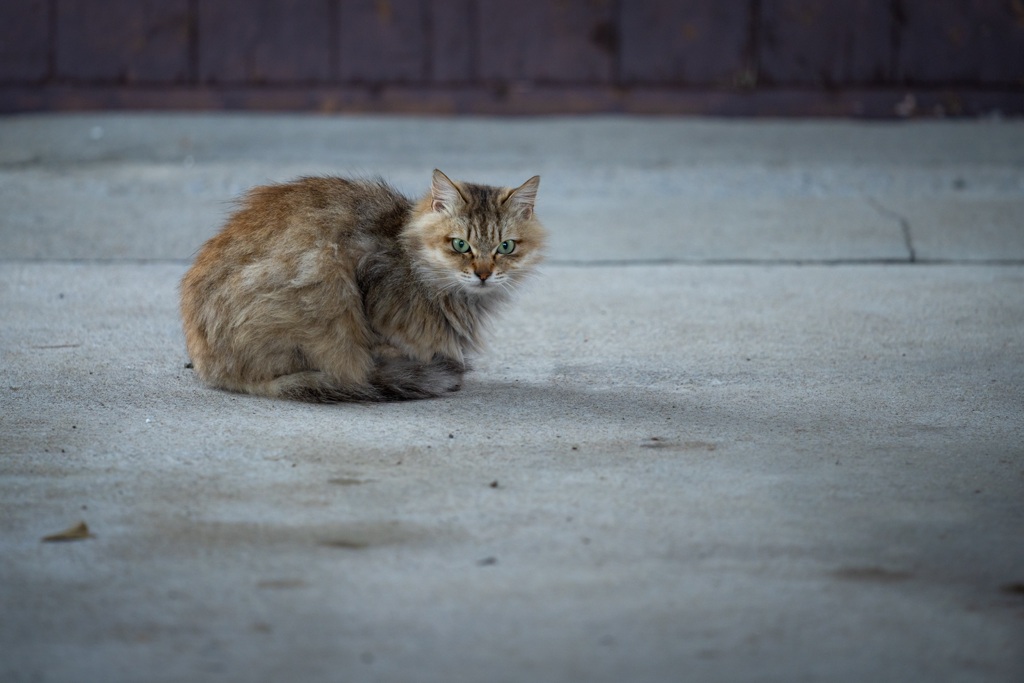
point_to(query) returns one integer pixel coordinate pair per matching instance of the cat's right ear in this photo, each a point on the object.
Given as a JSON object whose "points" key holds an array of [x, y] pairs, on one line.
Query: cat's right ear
{"points": [[444, 193]]}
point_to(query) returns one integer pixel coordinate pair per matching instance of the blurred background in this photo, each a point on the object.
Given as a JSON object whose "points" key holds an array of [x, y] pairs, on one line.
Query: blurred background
{"points": [[860, 58]]}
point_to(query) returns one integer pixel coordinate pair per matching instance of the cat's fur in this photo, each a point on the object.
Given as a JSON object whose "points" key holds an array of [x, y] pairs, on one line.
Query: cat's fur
{"points": [[326, 289]]}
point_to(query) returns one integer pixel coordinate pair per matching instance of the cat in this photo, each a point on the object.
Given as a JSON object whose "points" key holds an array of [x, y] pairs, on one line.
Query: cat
{"points": [[327, 289]]}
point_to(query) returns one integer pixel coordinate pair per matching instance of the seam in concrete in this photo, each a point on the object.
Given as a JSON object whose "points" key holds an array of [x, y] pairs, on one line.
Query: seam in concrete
{"points": [[623, 263], [740, 262], [908, 241]]}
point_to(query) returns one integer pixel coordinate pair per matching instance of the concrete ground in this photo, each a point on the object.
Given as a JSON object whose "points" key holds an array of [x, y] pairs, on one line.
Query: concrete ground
{"points": [[761, 419]]}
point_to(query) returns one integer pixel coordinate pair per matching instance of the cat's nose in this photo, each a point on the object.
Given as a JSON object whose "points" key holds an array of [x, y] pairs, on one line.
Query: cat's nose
{"points": [[483, 275]]}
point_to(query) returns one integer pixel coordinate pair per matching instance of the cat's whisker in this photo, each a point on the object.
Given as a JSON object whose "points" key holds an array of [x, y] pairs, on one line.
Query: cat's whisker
{"points": [[445, 285], [508, 287]]}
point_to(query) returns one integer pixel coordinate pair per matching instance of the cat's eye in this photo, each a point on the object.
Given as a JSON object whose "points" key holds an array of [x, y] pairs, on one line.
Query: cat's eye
{"points": [[507, 247], [461, 246]]}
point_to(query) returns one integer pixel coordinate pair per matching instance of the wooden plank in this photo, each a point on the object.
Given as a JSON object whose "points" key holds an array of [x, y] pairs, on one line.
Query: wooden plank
{"points": [[809, 42], [134, 41], [687, 43], [884, 103], [962, 41], [383, 40], [24, 40], [454, 41], [264, 41], [571, 41]]}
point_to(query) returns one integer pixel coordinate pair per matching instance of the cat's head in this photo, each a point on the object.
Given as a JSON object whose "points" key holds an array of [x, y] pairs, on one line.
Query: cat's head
{"points": [[474, 238]]}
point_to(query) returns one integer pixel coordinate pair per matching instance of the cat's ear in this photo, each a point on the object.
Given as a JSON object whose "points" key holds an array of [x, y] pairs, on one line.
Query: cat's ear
{"points": [[523, 197], [444, 193]]}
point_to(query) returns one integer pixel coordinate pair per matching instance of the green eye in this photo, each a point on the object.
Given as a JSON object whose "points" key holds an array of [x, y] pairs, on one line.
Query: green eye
{"points": [[507, 247], [461, 246]]}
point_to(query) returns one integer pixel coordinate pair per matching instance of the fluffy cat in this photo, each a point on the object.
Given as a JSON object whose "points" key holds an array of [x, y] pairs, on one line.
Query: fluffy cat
{"points": [[327, 289]]}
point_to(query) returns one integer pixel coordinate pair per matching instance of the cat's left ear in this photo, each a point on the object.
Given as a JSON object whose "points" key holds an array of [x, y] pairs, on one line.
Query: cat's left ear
{"points": [[523, 197]]}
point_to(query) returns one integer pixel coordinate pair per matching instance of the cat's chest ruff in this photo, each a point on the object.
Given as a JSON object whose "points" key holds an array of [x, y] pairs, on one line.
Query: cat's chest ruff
{"points": [[452, 329]]}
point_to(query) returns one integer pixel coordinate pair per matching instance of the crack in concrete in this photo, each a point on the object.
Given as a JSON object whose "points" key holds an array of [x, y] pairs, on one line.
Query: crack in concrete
{"points": [[908, 241]]}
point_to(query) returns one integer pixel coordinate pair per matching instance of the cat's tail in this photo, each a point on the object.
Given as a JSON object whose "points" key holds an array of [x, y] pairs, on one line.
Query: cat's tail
{"points": [[311, 386], [394, 380]]}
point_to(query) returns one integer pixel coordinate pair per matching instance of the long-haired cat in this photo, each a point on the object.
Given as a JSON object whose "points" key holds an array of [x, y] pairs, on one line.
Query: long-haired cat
{"points": [[326, 289]]}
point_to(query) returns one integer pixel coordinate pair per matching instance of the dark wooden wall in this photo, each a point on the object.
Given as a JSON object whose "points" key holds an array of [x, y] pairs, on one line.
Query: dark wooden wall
{"points": [[734, 57]]}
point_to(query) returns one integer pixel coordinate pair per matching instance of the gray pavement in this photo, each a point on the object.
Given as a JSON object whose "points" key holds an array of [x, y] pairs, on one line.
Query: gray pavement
{"points": [[761, 419]]}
